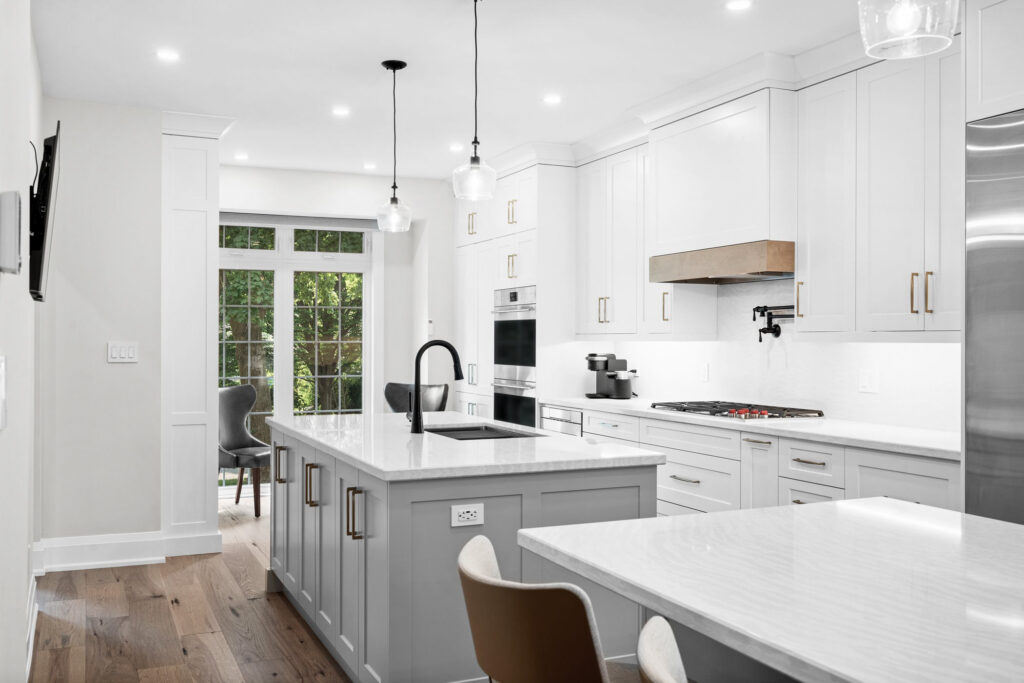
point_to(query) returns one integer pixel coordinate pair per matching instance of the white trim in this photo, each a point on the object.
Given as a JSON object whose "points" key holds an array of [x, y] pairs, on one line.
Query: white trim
{"points": [[118, 550], [195, 125], [32, 616]]}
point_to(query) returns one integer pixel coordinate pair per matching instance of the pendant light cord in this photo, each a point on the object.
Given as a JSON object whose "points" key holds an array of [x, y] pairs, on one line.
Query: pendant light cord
{"points": [[394, 133], [476, 78]]}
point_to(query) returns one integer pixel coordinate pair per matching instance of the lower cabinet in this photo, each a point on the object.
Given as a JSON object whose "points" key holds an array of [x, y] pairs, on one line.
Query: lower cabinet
{"points": [[918, 480], [792, 492], [474, 404]]}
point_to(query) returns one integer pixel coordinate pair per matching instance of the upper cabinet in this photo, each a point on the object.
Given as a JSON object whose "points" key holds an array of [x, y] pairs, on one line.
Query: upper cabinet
{"points": [[995, 52], [827, 205], [910, 194], [515, 202], [725, 175], [609, 209], [473, 222]]}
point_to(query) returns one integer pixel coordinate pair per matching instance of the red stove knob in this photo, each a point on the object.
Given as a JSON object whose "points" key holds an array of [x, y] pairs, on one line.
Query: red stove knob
{"points": [[764, 412]]}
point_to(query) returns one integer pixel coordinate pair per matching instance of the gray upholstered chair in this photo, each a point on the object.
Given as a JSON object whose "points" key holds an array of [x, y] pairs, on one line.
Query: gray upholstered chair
{"points": [[547, 632], [433, 397], [238, 448]]}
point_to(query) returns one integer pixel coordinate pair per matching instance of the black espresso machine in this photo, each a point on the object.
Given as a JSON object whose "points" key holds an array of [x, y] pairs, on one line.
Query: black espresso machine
{"points": [[613, 380]]}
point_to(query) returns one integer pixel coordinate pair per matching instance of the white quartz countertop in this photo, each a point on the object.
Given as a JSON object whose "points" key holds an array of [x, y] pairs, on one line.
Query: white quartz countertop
{"points": [[859, 590], [910, 440], [382, 445]]}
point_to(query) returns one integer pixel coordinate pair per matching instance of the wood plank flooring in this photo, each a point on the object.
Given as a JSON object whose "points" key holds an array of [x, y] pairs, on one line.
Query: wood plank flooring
{"points": [[195, 619]]}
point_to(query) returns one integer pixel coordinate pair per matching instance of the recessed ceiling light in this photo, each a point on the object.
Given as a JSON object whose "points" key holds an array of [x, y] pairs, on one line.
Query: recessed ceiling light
{"points": [[738, 5], [553, 99], [341, 111], [168, 55], [456, 147], [369, 166], [241, 156]]}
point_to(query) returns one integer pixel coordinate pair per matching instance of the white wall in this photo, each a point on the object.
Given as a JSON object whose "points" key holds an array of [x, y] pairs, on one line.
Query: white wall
{"points": [[412, 272], [918, 383], [100, 423], [19, 123]]}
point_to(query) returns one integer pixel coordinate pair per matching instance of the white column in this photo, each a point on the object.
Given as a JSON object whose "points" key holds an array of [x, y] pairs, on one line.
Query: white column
{"points": [[189, 335]]}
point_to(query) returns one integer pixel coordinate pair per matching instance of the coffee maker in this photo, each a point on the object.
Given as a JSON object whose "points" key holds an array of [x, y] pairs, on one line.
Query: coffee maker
{"points": [[612, 379]]}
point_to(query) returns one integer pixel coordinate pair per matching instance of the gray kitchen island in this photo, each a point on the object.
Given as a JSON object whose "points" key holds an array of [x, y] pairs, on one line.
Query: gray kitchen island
{"points": [[368, 519]]}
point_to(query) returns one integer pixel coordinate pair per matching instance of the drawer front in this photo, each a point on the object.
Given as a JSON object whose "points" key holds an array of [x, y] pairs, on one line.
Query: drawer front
{"points": [[599, 438], [905, 477], [667, 509], [619, 426], [702, 482], [818, 463], [760, 468], [724, 443], [792, 492], [560, 427], [563, 414]]}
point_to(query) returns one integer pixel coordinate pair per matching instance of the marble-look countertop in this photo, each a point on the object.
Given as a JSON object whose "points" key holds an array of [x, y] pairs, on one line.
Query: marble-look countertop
{"points": [[858, 590], [381, 444], [910, 440]]}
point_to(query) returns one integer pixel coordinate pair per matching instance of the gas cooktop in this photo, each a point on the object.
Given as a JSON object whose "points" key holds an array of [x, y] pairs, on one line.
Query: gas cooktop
{"points": [[742, 411]]}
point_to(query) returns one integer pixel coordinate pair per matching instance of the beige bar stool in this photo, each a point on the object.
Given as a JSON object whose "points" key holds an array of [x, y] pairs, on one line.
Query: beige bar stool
{"points": [[542, 633]]}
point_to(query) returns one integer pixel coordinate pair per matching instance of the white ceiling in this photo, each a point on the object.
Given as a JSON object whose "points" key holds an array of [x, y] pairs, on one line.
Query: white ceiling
{"points": [[279, 66]]}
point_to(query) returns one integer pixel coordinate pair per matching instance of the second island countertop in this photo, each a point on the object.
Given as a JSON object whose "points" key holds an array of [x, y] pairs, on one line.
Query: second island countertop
{"points": [[381, 444]]}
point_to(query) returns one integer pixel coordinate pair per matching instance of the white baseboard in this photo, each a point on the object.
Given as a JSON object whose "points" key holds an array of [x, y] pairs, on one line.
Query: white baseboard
{"points": [[31, 616], [117, 550]]}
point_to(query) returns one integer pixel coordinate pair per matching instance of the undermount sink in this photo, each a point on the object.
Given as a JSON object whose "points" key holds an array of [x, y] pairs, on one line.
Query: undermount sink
{"points": [[474, 432]]}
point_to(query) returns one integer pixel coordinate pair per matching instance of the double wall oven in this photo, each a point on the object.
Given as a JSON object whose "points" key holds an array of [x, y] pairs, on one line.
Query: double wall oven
{"points": [[515, 355]]}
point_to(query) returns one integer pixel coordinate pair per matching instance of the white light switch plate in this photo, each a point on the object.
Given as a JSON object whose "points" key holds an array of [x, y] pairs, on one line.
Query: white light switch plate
{"points": [[3, 392], [122, 352], [471, 514]]}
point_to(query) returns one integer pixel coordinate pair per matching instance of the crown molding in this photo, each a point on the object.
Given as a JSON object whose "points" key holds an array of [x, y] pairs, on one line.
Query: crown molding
{"points": [[196, 125], [531, 154]]}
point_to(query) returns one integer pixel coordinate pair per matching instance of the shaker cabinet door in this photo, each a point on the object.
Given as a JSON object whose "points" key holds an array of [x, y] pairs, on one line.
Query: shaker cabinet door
{"points": [[995, 81]]}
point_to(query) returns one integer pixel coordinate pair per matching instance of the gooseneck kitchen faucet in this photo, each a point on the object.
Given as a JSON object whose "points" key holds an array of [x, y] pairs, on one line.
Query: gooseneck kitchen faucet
{"points": [[417, 407]]}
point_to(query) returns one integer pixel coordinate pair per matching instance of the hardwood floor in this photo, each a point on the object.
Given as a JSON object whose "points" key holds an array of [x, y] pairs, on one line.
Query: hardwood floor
{"points": [[195, 619]]}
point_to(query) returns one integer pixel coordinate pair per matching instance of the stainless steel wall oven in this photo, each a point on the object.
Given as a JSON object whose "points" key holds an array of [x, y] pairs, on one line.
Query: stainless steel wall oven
{"points": [[515, 355]]}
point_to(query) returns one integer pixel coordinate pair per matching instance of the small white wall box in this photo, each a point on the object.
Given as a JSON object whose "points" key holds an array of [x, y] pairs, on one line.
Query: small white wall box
{"points": [[122, 352], [10, 232]]}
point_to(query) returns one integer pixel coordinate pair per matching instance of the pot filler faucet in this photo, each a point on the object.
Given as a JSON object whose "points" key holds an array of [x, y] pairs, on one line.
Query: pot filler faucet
{"points": [[417, 407]]}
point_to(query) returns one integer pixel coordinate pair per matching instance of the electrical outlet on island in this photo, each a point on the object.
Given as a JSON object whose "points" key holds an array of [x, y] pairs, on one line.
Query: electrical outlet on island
{"points": [[471, 514]]}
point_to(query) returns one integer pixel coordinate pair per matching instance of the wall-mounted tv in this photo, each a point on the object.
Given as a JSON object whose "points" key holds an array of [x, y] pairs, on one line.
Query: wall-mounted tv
{"points": [[42, 211]]}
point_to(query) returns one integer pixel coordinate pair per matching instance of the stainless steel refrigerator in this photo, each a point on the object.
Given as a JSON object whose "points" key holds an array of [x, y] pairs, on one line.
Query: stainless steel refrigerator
{"points": [[994, 322]]}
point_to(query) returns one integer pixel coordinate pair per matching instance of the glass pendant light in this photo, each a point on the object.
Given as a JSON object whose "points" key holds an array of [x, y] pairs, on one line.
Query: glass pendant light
{"points": [[475, 180], [901, 29], [394, 216]]}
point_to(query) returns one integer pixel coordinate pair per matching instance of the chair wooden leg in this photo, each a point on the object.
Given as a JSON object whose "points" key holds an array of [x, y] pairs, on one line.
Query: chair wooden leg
{"points": [[238, 491], [254, 474]]}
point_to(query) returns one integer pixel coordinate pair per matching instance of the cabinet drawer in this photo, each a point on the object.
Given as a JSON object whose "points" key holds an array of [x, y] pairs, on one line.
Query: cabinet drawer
{"points": [[724, 443], [906, 477], [702, 482], [619, 426], [819, 463], [667, 509], [792, 492]]}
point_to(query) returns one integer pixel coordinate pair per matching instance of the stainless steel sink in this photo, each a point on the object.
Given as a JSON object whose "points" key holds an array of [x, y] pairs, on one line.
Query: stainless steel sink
{"points": [[474, 432]]}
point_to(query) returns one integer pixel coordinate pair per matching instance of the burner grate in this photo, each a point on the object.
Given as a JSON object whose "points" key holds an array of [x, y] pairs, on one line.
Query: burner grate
{"points": [[732, 409]]}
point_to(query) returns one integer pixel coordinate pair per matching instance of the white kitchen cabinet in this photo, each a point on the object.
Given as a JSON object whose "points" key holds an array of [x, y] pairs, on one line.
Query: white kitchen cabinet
{"points": [[478, 405], [793, 492], [759, 468], [617, 426], [515, 202], [918, 480], [995, 81], [827, 206], [910, 195], [821, 463], [516, 260], [658, 297], [474, 222], [726, 175], [700, 482], [667, 509], [609, 198], [475, 268]]}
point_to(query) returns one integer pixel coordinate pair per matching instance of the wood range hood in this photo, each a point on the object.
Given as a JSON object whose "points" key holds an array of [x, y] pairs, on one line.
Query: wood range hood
{"points": [[732, 264]]}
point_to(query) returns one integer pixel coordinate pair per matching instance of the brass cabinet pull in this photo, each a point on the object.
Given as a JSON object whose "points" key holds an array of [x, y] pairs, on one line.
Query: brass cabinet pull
{"points": [[309, 484], [515, 219], [664, 296], [513, 257], [798, 313], [599, 300], [913, 282], [684, 479], [356, 536], [277, 465], [471, 223], [765, 443], [348, 510], [798, 502], [606, 300], [927, 278], [809, 462]]}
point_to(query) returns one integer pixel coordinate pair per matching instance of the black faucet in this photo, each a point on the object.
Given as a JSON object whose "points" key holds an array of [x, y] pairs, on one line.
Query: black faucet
{"points": [[417, 407]]}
